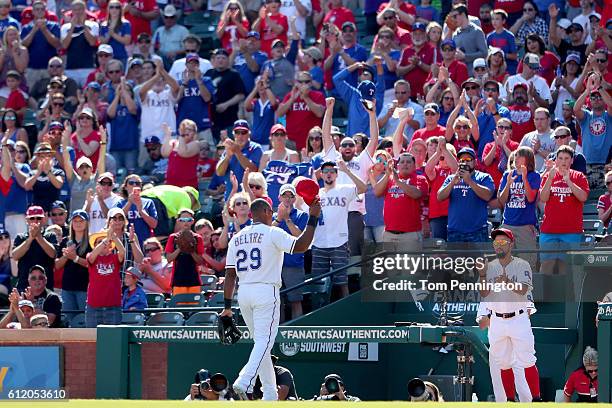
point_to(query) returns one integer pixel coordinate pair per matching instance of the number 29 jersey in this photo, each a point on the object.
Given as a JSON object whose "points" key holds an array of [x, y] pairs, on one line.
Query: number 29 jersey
{"points": [[257, 252]]}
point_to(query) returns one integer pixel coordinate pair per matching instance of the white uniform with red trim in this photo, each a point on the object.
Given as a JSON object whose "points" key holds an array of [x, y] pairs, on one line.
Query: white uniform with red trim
{"points": [[256, 253]]}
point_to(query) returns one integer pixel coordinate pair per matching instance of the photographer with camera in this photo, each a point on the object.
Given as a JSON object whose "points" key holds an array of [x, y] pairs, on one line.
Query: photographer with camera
{"points": [[333, 389], [419, 390], [209, 387]]}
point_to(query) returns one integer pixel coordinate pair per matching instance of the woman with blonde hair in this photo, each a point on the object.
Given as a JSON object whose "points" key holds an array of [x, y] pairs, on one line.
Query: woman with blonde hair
{"points": [[233, 24], [497, 69], [14, 57], [373, 219], [464, 132], [236, 216], [183, 154], [116, 31]]}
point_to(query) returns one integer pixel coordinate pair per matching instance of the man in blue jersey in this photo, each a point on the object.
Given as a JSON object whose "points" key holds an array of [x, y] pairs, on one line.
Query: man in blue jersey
{"points": [[469, 191], [247, 59]]}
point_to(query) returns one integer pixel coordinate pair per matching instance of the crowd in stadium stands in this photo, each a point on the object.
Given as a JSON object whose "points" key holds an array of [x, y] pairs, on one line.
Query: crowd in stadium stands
{"points": [[121, 128]]}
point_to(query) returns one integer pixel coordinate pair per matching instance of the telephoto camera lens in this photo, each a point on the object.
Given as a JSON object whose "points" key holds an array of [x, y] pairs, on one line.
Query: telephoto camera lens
{"points": [[332, 386], [417, 390], [218, 382]]}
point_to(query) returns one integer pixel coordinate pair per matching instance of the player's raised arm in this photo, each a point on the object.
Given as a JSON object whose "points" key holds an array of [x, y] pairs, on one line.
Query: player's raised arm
{"points": [[305, 239]]}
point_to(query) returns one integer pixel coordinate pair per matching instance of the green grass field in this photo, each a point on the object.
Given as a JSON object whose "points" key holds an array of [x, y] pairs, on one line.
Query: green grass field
{"points": [[258, 404]]}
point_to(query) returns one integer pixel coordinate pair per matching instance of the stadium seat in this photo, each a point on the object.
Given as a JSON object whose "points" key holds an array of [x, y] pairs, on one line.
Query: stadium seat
{"points": [[319, 291], [166, 319], [217, 300], [195, 19], [187, 300], [202, 319], [209, 282], [593, 227], [590, 209], [133, 319], [78, 321], [156, 300], [495, 217]]}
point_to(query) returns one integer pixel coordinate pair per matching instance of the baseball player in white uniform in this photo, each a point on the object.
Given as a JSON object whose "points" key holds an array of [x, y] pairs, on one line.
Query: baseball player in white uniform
{"points": [[511, 341], [255, 255]]}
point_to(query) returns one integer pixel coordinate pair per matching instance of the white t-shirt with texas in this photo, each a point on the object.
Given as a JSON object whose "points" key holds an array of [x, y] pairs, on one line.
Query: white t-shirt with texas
{"points": [[257, 253], [360, 165], [97, 220], [332, 231]]}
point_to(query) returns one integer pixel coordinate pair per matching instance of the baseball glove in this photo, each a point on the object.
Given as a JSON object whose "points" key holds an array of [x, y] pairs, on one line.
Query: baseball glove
{"points": [[186, 241], [228, 331]]}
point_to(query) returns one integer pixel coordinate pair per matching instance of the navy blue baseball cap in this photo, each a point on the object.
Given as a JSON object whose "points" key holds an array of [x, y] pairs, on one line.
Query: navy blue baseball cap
{"points": [[449, 42], [467, 150], [80, 213], [253, 34], [419, 26], [241, 124], [152, 140], [94, 85], [367, 90], [58, 204]]}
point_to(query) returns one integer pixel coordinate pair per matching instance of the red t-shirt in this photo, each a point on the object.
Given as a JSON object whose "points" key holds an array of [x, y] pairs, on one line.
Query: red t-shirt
{"points": [[94, 136], [140, 25], [27, 16], [406, 7], [92, 76], [460, 144], [182, 171], [339, 16], [511, 6], [230, 31], [402, 37], [522, 121], [104, 289], [425, 134], [493, 168], [268, 36], [417, 77], [438, 208], [206, 167], [563, 211], [401, 212], [16, 100], [300, 118], [603, 204], [5, 185], [548, 67], [457, 71]]}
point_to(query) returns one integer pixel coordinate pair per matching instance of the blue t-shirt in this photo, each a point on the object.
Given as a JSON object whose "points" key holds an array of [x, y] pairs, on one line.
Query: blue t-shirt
{"points": [[248, 76], [467, 213], [443, 116], [316, 73], [391, 77], [192, 106], [374, 209], [263, 120], [18, 199], [6, 22], [486, 124], [2, 209], [278, 172], [119, 51], [357, 52], [142, 230], [299, 218], [518, 211], [40, 50], [428, 13], [251, 151], [232, 230], [507, 42], [124, 130], [596, 136]]}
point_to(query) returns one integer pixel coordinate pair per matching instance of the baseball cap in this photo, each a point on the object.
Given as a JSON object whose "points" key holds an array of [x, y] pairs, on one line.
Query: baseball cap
{"points": [[564, 23], [467, 150], [105, 48], [83, 160], [470, 81], [532, 60], [25, 302], [573, 57], [106, 175], [88, 111], [220, 51], [335, 130], [152, 140], [491, 81], [520, 85], [502, 231], [58, 204], [278, 43], [94, 85], [368, 68], [287, 187], [43, 147], [575, 26], [192, 56], [253, 34], [367, 89], [496, 50], [169, 11], [277, 127], [35, 211], [4, 233], [187, 210], [55, 125], [135, 61], [314, 53], [114, 211], [349, 24], [609, 22], [134, 272], [329, 163], [479, 63], [81, 214], [419, 26], [596, 15], [450, 43], [241, 124], [56, 80], [432, 107]]}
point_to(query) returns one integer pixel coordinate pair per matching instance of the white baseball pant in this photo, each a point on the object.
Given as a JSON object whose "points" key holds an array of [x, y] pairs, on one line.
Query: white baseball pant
{"points": [[260, 308]]}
